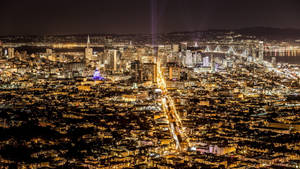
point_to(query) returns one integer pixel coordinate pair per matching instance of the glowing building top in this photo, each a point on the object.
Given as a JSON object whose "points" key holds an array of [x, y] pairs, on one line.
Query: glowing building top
{"points": [[88, 42], [97, 75]]}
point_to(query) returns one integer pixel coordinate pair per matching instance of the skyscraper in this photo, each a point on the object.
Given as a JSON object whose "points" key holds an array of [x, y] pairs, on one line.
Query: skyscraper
{"points": [[136, 67], [11, 52], [213, 64], [183, 46], [188, 61], [175, 48], [88, 50], [112, 54], [274, 61], [206, 62], [261, 51]]}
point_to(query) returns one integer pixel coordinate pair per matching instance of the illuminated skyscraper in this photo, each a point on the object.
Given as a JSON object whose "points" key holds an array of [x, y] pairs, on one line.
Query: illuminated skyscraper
{"points": [[253, 52], [183, 46], [196, 45], [88, 50], [173, 71], [113, 59], [188, 61], [136, 68], [49, 51], [274, 61], [261, 51], [11, 52], [213, 63], [206, 62], [198, 58], [249, 59], [175, 48]]}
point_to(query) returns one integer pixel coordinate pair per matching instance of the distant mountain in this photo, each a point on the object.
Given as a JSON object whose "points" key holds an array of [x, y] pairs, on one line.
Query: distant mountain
{"points": [[271, 33]]}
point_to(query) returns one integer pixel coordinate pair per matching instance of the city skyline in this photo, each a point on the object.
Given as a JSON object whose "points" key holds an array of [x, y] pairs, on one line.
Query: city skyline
{"points": [[104, 84]]}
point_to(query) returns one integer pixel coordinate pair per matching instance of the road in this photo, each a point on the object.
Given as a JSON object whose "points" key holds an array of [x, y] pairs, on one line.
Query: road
{"points": [[169, 108]]}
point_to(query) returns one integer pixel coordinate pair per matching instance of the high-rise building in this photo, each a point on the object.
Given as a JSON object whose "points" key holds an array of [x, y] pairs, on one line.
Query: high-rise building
{"points": [[253, 52], [188, 61], [249, 59], [173, 71], [88, 50], [11, 52], [183, 46], [196, 45], [213, 63], [113, 60], [49, 54], [261, 51], [149, 72], [175, 48], [136, 67], [49, 51], [206, 62], [198, 58], [274, 61]]}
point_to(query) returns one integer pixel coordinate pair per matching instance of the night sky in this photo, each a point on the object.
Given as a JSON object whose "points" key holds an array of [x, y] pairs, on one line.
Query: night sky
{"points": [[134, 16]]}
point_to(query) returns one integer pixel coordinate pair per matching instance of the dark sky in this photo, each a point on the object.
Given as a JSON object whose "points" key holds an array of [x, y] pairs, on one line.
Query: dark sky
{"points": [[134, 16]]}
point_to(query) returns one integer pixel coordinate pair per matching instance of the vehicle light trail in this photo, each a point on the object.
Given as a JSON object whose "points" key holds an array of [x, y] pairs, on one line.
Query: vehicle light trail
{"points": [[175, 122]]}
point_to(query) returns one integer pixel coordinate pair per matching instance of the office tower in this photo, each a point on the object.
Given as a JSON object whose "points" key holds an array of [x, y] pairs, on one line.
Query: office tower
{"points": [[198, 58], [154, 80], [194, 57], [188, 61], [253, 52], [249, 59], [261, 51], [196, 45], [156, 60], [149, 72], [136, 68], [213, 63], [49, 55], [183, 46], [173, 71], [229, 64], [274, 61], [49, 51], [88, 50], [175, 48], [113, 60], [11, 52], [206, 62]]}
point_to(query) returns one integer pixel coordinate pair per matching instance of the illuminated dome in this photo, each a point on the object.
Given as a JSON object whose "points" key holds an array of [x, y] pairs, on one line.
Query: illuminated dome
{"points": [[97, 75]]}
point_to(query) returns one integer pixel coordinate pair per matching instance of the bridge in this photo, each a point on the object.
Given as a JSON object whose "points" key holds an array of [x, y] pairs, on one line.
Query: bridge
{"points": [[234, 50]]}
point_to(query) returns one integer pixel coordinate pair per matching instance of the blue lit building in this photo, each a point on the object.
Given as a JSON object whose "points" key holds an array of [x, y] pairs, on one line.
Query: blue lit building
{"points": [[97, 75]]}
